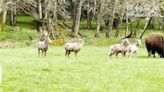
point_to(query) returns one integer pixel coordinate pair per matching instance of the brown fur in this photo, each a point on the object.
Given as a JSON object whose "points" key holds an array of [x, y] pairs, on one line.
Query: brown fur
{"points": [[155, 43]]}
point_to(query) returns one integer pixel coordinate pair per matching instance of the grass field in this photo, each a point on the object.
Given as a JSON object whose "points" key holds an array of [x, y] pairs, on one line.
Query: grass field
{"points": [[92, 71]]}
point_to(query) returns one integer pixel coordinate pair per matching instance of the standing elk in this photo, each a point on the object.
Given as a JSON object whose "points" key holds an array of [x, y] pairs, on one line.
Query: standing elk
{"points": [[133, 48], [73, 47], [43, 44], [119, 48]]}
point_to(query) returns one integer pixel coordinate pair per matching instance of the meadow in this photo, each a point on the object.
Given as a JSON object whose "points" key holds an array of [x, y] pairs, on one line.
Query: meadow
{"points": [[91, 71]]}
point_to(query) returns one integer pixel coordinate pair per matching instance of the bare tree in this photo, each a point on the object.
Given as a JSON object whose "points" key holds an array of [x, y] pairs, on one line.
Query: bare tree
{"points": [[155, 11], [1, 9], [4, 6], [100, 5], [90, 8], [119, 14], [13, 11], [40, 9], [77, 16], [146, 25], [111, 17]]}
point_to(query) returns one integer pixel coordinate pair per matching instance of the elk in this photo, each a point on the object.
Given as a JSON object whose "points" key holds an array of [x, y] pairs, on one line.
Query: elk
{"points": [[133, 48], [119, 48], [73, 47], [43, 44]]}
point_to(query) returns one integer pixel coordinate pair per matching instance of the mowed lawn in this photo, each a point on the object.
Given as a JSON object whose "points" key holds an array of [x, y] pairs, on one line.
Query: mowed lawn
{"points": [[92, 71]]}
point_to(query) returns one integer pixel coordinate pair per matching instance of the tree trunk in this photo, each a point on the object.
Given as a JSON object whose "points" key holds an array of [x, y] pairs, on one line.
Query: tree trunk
{"points": [[146, 25], [50, 28], [161, 23], [110, 25], [98, 26], [152, 23], [1, 22], [45, 13], [13, 16], [161, 20], [127, 19], [127, 24], [76, 17], [3, 16], [55, 19], [89, 19], [120, 20], [118, 28], [138, 23], [40, 9], [134, 29]]}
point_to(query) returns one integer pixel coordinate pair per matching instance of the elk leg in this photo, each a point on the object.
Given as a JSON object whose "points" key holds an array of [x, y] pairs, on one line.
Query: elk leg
{"points": [[42, 53], [135, 53], [112, 54], [75, 54], [38, 53], [69, 53], [130, 54], [124, 54], [66, 53], [117, 54], [45, 52]]}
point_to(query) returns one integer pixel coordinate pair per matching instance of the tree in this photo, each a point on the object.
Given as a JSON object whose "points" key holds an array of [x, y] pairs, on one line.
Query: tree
{"points": [[111, 17], [119, 14], [146, 25], [155, 11], [4, 6], [90, 8], [1, 14], [77, 16], [40, 9], [13, 11], [99, 6]]}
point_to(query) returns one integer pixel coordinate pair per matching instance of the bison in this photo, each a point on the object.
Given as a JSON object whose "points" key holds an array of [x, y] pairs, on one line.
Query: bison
{"points": [[155, 43]]}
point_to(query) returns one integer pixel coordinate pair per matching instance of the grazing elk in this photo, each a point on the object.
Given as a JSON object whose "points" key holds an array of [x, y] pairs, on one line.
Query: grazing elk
{"points": [[73, 47], [43, 44], [119, 48], [155, 43]]}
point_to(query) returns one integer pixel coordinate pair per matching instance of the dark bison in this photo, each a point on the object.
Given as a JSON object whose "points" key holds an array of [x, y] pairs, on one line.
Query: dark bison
{"points": [[155, 43]]}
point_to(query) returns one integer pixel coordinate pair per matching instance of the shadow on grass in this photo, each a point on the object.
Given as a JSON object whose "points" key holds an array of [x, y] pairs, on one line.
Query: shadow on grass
{"points": [[146, 57], [142, 57], [24, 24]]}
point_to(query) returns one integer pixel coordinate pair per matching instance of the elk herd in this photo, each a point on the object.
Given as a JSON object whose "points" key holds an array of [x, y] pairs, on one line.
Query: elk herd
{"points": [[154, 44]]}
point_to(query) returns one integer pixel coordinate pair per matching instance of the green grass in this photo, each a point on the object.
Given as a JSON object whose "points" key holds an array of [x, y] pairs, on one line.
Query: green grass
{"points": [[23, 22], [20, 36], [92, 71]]}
